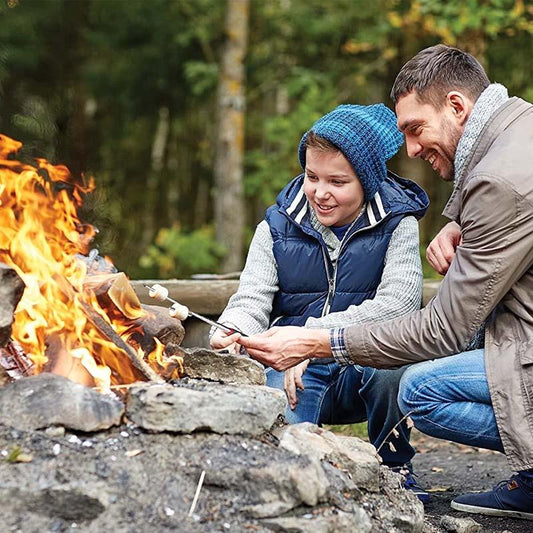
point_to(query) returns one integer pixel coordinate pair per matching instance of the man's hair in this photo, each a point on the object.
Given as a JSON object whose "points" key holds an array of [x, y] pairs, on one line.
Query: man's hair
{"points": [[437, 70], [313, 140]]}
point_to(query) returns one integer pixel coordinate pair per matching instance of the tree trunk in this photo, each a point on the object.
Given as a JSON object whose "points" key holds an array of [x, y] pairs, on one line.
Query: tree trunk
{"points": [[229, 208], [153, 181]]}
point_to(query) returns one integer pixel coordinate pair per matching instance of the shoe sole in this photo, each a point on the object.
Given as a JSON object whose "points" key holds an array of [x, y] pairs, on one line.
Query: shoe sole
{"points": [[490, 511]]}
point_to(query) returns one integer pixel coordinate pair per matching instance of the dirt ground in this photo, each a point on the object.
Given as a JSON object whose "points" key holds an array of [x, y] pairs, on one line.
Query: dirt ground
{"points": [[448, 469]]}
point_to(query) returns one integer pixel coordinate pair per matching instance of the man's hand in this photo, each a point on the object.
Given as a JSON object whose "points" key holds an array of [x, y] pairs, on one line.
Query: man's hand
{"points": [[285, 347], [221, 341], [293, 381], [441, 249]]}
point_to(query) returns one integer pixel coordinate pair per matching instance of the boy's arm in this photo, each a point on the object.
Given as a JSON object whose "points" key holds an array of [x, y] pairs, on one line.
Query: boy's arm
{"points": [[250, 307], [400, 289]]}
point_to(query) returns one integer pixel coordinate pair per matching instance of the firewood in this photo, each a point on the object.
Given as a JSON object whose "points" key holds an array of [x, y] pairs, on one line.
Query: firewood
{"points": [[105, 329], [4, 377], [157, 324], [108, 332]]}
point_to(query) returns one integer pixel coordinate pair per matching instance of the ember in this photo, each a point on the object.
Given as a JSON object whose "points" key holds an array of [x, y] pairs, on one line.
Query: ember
{"points": [[65, 322]]}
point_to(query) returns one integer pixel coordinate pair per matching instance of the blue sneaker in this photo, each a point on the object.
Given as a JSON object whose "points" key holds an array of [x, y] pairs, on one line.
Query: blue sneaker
{"points": [[410, 482], [511, 498]]}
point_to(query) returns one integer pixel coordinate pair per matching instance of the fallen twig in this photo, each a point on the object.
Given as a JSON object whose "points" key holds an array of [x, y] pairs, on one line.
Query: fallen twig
{"points": [[197, 493], [405, 417]]}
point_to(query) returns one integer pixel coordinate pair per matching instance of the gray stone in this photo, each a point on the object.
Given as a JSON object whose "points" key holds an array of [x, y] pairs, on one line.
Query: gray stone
{"points": [[146, 482], [200, 363], [50, 400], [225, 409], [11, 289], [351, 454], [396, 508], [460, 525], [270, 487], [328, 522], [72, 501]]}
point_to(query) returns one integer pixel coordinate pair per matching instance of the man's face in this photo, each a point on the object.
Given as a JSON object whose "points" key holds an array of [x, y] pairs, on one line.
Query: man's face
{"points": [[431, 134]]}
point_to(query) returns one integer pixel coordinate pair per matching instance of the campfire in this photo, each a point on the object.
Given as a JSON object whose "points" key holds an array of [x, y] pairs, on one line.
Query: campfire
{"points": [[77, 317]]}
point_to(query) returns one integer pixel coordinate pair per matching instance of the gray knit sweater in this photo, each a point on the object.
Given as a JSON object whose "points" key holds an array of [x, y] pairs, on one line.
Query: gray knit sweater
{"points": [[399, 293]]}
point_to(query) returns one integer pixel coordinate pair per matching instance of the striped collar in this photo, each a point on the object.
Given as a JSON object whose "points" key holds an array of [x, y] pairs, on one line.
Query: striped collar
{"points": [[298, 209]]}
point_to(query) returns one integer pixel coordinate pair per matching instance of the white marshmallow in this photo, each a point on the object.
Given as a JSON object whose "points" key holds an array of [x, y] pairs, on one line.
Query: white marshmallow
{"points": [[158, 292], [181, 312]]}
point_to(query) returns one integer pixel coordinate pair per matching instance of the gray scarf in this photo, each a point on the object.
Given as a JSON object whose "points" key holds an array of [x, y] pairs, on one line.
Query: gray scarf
{"points": [[486, 105], [488, 102]]}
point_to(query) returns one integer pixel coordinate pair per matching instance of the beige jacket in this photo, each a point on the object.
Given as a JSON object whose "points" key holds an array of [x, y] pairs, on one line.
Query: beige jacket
{"points": [[490, 278]]}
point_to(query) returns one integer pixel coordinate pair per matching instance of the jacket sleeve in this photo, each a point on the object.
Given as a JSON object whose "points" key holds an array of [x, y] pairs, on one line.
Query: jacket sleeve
{"points": [[250, 307], [400, 289], [497, 249]]}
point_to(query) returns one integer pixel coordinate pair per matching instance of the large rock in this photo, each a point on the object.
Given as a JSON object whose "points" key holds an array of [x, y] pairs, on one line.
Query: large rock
{"points": [[326, 522], [200, 363], [51, 400], [126, 480], [355, 456], [11, 289], [230, 409], [271, 481]]}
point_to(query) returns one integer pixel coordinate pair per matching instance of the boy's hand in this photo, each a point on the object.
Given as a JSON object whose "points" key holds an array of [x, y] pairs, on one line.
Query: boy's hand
{"points": [[221, 340], [293, 381]]}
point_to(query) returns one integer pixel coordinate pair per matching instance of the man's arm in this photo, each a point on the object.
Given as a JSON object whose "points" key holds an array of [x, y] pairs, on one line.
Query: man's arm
{"points": [[497, 249]]}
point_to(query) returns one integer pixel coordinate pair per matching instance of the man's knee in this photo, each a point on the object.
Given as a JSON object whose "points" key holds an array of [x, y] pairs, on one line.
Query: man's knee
{"points": [[411, 382]]}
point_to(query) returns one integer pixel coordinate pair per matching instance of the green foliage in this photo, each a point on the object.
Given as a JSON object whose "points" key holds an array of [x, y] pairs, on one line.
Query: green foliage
{"points": [[179, 254], [351, 430], [271, 166], [86, 83]]}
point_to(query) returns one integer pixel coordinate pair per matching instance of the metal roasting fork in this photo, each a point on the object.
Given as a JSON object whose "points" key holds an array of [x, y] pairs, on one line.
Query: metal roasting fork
{"points": [[213, 323]]}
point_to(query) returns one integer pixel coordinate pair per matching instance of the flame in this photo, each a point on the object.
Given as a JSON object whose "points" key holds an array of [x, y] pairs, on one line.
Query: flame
{"points": [[40, 237]]}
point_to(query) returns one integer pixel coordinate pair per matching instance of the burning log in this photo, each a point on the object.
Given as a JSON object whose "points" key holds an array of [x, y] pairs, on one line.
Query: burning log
{"points": [[105, 329], [11, 289], [158, 324], [14, 363], [108, 332]]}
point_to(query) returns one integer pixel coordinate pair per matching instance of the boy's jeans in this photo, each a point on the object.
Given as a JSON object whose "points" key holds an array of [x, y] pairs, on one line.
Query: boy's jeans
{"points": [[450, 399], [337, 394]]}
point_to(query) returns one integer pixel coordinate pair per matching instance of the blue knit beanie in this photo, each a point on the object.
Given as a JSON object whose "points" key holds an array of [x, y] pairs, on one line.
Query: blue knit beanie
{"points": [[366, 135]]}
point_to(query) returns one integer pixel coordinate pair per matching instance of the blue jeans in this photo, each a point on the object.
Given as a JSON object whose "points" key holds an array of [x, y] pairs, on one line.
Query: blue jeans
{"points": [[337, 394], [450, 400]]}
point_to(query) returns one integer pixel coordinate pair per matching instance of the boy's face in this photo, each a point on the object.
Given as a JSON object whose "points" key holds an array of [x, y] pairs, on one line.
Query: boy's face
{"points": [[332, 187]]}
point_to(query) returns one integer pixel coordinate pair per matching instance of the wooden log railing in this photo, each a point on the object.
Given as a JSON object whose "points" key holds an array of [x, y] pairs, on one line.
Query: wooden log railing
{"points": [[210, 296]]}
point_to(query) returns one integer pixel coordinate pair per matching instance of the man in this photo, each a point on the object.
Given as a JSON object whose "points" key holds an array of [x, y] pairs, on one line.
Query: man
{"points": [[472, 133]]}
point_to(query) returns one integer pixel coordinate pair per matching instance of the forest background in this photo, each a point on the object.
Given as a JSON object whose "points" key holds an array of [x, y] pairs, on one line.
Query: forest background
{"points": [[188, 113]]}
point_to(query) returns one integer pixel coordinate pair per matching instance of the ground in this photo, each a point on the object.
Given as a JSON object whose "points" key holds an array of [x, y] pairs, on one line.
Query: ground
{"points": [[448, 469]]}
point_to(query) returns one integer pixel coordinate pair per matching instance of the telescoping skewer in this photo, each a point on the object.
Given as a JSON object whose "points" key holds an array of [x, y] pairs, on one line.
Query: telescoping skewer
{"points": [[181, 312]]}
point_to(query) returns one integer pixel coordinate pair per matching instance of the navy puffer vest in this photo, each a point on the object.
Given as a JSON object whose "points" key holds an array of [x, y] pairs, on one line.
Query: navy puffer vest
{"points": [[309, 284]]}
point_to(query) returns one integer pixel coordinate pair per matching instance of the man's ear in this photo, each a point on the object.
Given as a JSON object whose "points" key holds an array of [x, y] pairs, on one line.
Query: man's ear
{"points": [[459, 105]]}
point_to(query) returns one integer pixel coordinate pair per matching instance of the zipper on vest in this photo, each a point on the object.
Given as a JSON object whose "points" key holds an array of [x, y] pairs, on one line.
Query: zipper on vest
{"points": [[332, 280], [331, 283]]}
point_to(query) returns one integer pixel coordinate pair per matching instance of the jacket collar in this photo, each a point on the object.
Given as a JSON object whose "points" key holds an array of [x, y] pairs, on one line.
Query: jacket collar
{"points": [[505, 115]]}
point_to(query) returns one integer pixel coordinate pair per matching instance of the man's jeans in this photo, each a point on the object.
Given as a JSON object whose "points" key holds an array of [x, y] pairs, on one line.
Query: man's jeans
{"points": [[450, 400], [337, 394]]}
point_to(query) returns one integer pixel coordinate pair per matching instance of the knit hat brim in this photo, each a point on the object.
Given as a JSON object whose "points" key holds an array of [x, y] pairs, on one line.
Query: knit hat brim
{"points": [[366, 135]]}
